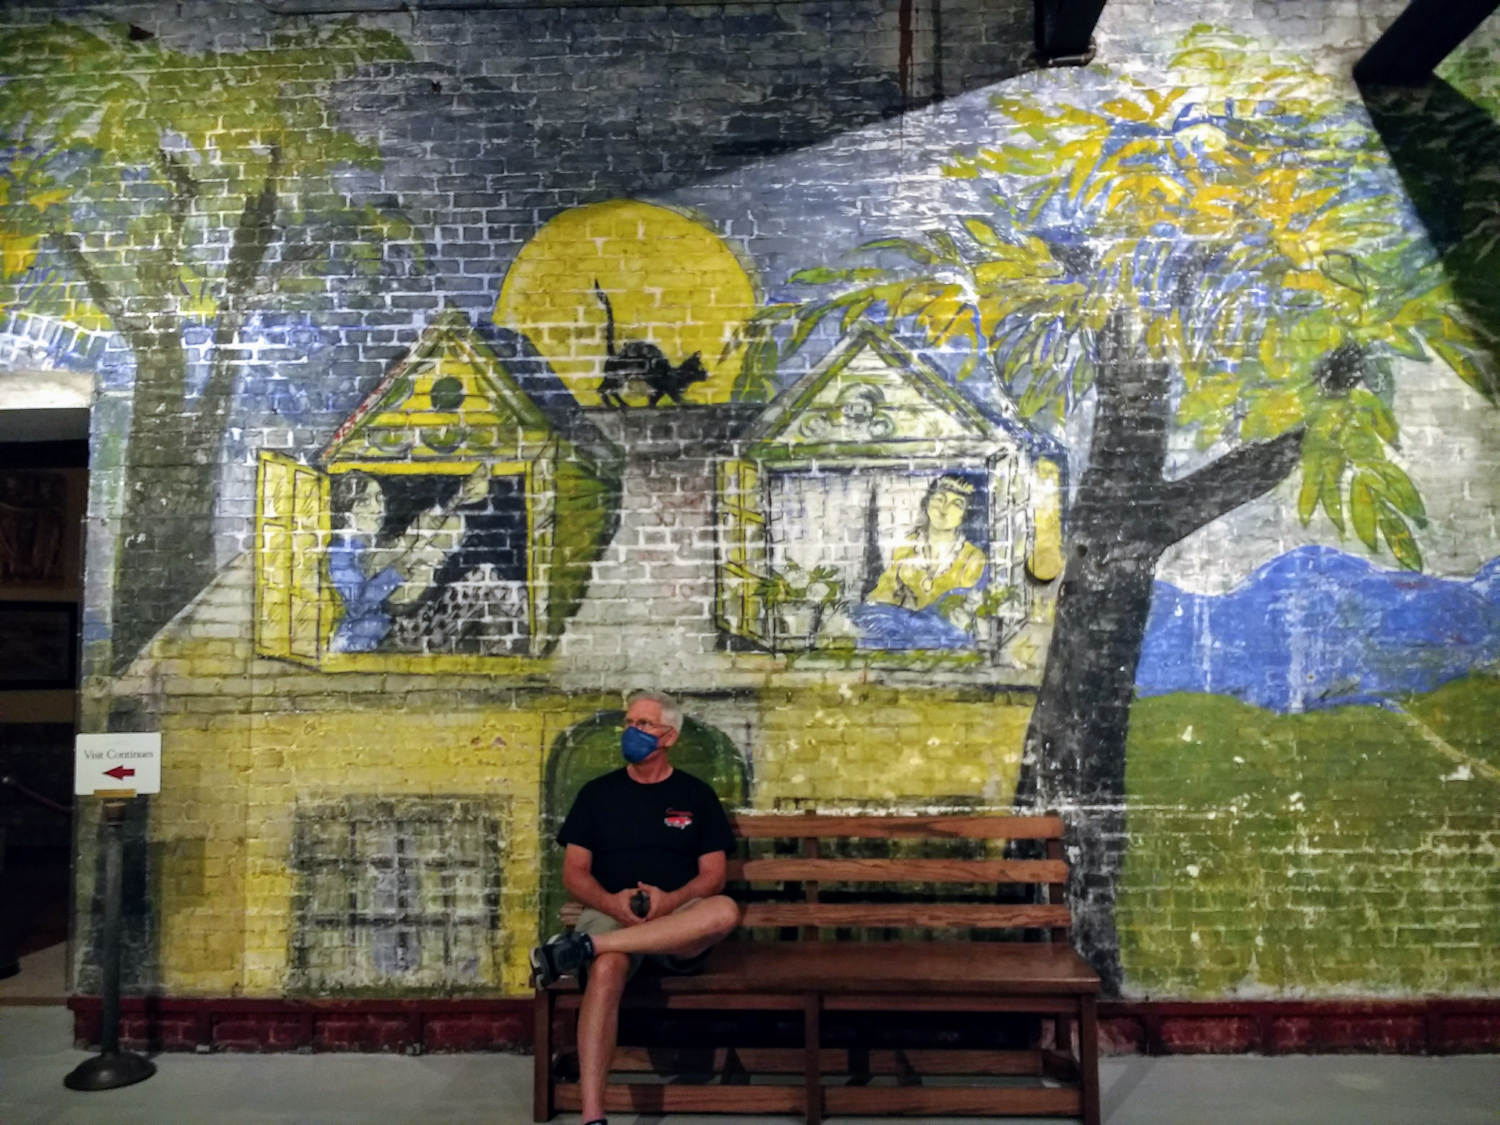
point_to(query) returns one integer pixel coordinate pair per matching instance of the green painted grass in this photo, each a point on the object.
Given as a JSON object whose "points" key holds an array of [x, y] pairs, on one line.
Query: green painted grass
{"points": [[1320, 853], [1466, 714]]}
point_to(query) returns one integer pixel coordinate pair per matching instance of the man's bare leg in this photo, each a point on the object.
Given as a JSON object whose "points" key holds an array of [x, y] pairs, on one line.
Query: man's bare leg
{"points": [[598, 1024], [685, 933]]}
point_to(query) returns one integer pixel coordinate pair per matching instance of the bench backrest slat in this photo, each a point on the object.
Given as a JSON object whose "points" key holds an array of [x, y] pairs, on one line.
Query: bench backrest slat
{"points": [[904, 915], [900, 870], [876, 892], [782, 826]]}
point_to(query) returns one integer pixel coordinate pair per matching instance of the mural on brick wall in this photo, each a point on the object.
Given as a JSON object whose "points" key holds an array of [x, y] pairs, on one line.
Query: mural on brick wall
{"points": [[631, 304], [1154, 256], [910, 497], [875, 510]]}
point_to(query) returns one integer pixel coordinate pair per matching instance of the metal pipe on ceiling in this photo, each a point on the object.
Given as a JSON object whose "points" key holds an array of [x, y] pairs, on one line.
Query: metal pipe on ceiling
{"points": [[414, 7]]}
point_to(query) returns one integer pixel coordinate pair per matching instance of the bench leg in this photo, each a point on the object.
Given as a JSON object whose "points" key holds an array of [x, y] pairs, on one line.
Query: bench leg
{"points": [[1088, 1059], [812, 1010], [541, 1074]]}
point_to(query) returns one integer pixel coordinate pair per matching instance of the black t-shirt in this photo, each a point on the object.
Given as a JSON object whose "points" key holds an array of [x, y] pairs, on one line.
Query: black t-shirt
{"points": [[646, 833]]}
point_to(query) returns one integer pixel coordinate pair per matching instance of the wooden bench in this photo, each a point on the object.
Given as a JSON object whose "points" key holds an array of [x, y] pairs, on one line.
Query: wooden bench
{"points": [[818, 971]]}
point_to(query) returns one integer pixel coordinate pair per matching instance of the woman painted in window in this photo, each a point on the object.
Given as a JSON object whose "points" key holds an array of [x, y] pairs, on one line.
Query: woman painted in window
{"points": [[921, 598], [378, 573]]}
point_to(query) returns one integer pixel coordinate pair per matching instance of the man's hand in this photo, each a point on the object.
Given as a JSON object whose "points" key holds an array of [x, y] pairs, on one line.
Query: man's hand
{"points": [[579, 882], [662, 902], [619, 907]]}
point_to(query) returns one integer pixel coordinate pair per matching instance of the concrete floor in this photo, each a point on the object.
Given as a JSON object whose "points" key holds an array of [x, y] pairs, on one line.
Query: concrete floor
{"points": [[36, 1051], [41, 979]]}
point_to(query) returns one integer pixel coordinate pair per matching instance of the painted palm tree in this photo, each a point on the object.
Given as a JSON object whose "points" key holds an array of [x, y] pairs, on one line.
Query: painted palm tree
{"points": [[150, 192], [1233, 267]]}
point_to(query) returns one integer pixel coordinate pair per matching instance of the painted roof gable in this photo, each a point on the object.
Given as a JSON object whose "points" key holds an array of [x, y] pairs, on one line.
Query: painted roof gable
{"points": [[871, 391], [449, 398]]}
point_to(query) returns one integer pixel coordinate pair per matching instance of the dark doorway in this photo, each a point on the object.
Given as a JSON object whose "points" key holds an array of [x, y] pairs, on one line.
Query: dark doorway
{"points": [[43, 489]]}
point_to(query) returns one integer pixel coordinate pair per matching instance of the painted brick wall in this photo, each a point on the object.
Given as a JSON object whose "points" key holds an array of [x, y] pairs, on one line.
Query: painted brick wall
{"points": [[373, 546]]}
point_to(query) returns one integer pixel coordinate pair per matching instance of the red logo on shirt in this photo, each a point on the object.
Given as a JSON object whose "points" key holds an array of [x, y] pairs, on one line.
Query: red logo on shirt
{"points": [[678, 819]]}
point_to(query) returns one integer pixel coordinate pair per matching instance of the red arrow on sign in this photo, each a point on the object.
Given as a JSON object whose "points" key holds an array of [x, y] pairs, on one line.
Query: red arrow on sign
{"points": [[119, 773]]}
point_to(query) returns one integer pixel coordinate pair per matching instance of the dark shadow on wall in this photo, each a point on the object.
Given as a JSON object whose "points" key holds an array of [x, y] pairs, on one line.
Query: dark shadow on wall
{"points": [[591, 749], [1446, 150], [34, 838], [572, 105]]}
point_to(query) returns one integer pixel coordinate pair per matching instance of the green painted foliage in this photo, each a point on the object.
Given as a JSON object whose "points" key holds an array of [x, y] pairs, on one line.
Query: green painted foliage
{"points": [[1474, 69], [132, 162], [1249, 225]]}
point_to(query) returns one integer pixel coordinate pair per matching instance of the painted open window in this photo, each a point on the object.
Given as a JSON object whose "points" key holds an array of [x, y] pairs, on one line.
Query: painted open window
{"points": [[447, 526], [875, 509]]}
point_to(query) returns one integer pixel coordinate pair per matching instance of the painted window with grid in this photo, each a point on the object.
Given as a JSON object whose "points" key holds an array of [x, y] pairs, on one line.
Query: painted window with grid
{"points": [[400, 892]]}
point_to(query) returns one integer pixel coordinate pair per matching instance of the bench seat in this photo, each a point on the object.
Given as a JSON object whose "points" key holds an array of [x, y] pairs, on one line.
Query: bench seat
{"points": [[923, 968]]}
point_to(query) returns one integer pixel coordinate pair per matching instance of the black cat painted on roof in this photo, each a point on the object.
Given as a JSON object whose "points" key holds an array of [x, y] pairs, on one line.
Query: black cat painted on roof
{"points": [[643, 362]]}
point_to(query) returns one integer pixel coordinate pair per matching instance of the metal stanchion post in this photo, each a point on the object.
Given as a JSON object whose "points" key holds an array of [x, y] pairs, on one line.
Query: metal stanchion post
{"points": [[111, 1068]]}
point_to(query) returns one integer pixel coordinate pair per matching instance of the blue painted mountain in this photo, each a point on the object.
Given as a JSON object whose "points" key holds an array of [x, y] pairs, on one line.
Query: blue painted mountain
{"points": [[1317, 627]]}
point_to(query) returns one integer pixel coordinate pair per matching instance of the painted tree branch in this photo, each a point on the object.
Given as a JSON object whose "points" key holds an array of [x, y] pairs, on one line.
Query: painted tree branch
{"points": [[254, 232], [184, 189], [253, 235], [1234, 479], [71, 247], [296, 255]]}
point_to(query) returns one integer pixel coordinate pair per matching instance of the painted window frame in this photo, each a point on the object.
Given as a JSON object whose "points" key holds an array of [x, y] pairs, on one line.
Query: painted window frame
{"points": [[745, 525], [296, 616], [469, 883]]}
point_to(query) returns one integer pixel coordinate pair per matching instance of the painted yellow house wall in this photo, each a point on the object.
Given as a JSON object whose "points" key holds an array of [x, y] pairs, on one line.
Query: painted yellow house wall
{"points": [[881, 745], [247, 740]]}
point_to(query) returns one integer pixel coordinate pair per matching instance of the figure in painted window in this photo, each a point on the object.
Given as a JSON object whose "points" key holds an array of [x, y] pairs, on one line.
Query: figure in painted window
{"points": [[927, 596], [480, 599], [404, 556]]}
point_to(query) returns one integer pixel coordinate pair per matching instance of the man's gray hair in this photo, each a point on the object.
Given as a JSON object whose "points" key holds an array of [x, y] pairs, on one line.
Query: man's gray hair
{"points": [[671, 710]]}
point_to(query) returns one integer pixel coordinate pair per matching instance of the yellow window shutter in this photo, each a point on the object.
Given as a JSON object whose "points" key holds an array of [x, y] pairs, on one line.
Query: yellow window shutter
{"points": [[1046, 559], [311, 623], [742, 549], [291, 536]]}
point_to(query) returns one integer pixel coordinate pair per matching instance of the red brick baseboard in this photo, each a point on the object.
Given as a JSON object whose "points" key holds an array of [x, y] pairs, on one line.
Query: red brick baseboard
{"points": [[1309, 1027], [1411, 1027], [170, 1023]]}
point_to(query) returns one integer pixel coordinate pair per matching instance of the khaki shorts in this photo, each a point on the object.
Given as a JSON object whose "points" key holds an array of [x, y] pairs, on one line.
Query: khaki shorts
{"points": [[593, 921]]}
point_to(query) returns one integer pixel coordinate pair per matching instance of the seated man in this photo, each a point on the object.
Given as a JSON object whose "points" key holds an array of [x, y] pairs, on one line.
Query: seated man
{"points": [[646, 852]]}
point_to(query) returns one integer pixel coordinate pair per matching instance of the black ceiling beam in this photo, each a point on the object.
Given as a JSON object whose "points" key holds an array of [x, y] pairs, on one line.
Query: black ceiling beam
{"points": [[1065, 31], [1421, 37]]}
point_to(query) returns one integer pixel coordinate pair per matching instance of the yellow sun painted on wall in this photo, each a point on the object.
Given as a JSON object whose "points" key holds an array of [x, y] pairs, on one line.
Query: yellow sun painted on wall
{"points": [[675, 289]]}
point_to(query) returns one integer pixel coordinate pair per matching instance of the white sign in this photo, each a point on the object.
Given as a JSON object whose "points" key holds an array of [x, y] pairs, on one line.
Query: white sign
{"points": [[117, 763]]}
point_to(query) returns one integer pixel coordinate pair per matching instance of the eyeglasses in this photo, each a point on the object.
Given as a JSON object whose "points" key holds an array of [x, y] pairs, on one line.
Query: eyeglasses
{"points": [[647, 725]]}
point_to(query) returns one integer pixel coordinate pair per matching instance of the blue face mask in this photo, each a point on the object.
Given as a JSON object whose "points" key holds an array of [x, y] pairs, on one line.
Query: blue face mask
{"points": [[637, 745]]}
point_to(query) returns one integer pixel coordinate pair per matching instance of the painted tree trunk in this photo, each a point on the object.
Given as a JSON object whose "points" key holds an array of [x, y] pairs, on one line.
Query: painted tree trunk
{"points": [[1125, 516], [1076, 741], [166, 554], [166, 540]]}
